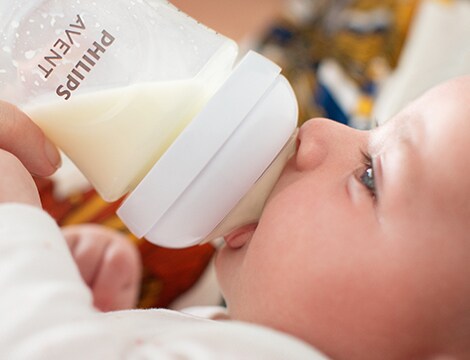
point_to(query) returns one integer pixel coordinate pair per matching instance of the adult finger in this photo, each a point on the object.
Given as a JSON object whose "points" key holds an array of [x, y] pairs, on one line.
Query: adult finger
{"points": [[16, 183], [20, 136]]}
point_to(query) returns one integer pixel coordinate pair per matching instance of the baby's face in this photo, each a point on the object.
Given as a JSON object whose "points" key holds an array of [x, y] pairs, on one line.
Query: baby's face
{"points": [[362, 260]]}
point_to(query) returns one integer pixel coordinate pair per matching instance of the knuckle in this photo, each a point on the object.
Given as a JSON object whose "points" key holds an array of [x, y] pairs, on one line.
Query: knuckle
{"points": [[9, 160]]}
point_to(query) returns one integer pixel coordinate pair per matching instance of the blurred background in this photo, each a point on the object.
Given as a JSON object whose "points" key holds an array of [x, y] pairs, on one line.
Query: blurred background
{"points": [[340, 55], [239, 20]]}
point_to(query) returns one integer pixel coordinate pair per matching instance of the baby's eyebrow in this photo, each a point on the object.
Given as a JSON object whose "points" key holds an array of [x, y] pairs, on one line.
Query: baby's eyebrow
{"points": [[411, 131], [407, 129], [377, 139]]}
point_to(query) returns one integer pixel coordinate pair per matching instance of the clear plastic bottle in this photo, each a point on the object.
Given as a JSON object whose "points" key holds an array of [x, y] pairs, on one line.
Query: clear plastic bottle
{"points": [[146, 102]]}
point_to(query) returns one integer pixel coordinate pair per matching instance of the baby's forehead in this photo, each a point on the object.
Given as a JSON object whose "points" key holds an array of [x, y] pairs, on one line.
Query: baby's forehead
{"points": [[433, 134], [440, 115]]}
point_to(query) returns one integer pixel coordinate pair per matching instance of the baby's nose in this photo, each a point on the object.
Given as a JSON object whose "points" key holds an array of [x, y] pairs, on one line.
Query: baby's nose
{"points": [[324, 141], [312, 149]]}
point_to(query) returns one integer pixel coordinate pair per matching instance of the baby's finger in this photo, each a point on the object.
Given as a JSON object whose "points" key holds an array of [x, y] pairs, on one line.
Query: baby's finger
{"points": [[87, 249], [116, 286], [20, 136]]}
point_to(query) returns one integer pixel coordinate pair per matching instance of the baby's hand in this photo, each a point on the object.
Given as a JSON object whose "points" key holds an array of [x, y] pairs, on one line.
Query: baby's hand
{"points": [[109, 264]]}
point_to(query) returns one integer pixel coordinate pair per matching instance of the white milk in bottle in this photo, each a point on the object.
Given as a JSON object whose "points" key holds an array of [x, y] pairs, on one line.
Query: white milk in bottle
{"points": [[124, 130], [147, 103]]}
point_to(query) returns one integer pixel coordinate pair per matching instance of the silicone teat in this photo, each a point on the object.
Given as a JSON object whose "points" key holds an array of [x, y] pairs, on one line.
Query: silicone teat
{"points": [[250, 207]]}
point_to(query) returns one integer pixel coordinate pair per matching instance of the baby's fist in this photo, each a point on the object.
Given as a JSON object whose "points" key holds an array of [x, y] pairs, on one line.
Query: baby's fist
{"points": [[109, 264]]}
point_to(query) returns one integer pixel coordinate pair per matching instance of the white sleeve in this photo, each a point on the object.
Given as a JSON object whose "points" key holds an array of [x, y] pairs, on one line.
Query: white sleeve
{"points": [[46, 310], [40, 285]]}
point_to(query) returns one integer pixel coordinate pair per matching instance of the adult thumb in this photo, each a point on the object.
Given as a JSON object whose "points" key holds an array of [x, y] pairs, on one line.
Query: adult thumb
{"points": [[20, 136]]}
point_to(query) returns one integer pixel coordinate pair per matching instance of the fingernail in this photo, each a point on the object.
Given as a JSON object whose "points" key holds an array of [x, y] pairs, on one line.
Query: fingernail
{"points": [[52, 154]]}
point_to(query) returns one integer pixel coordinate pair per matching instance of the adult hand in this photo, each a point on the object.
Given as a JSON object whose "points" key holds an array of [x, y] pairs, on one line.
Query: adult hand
{"points": [[23, 148], [23, 138]]}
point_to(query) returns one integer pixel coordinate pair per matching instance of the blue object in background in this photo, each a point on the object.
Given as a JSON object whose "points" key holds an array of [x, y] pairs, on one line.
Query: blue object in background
{"points": [[325, 99]]}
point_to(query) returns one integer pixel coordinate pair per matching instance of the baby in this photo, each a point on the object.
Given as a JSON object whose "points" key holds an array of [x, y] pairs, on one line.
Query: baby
{"points": [[362, 252], [363, 249]]}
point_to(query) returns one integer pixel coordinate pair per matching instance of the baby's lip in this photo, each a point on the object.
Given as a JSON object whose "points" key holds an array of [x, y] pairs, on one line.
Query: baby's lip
{"points": [[239, 237]]}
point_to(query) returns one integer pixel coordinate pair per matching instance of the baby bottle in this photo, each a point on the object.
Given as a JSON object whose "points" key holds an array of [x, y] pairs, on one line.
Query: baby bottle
{"points": [[147, 103]]}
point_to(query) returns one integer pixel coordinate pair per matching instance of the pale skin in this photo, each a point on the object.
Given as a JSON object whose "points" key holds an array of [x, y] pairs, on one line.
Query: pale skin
{"points": [[361, 261], [365, 273], [109, 264]]}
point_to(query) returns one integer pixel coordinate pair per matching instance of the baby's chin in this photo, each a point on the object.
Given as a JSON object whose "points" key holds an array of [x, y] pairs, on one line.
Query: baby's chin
{"points": [[230, 257]]}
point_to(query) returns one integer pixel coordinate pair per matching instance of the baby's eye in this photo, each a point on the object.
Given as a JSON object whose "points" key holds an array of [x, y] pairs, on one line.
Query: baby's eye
{"points": [[366, 177]]}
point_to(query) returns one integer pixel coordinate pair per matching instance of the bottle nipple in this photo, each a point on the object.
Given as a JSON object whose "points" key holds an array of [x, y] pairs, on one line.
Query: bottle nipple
{"points": [[250, 207]]}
